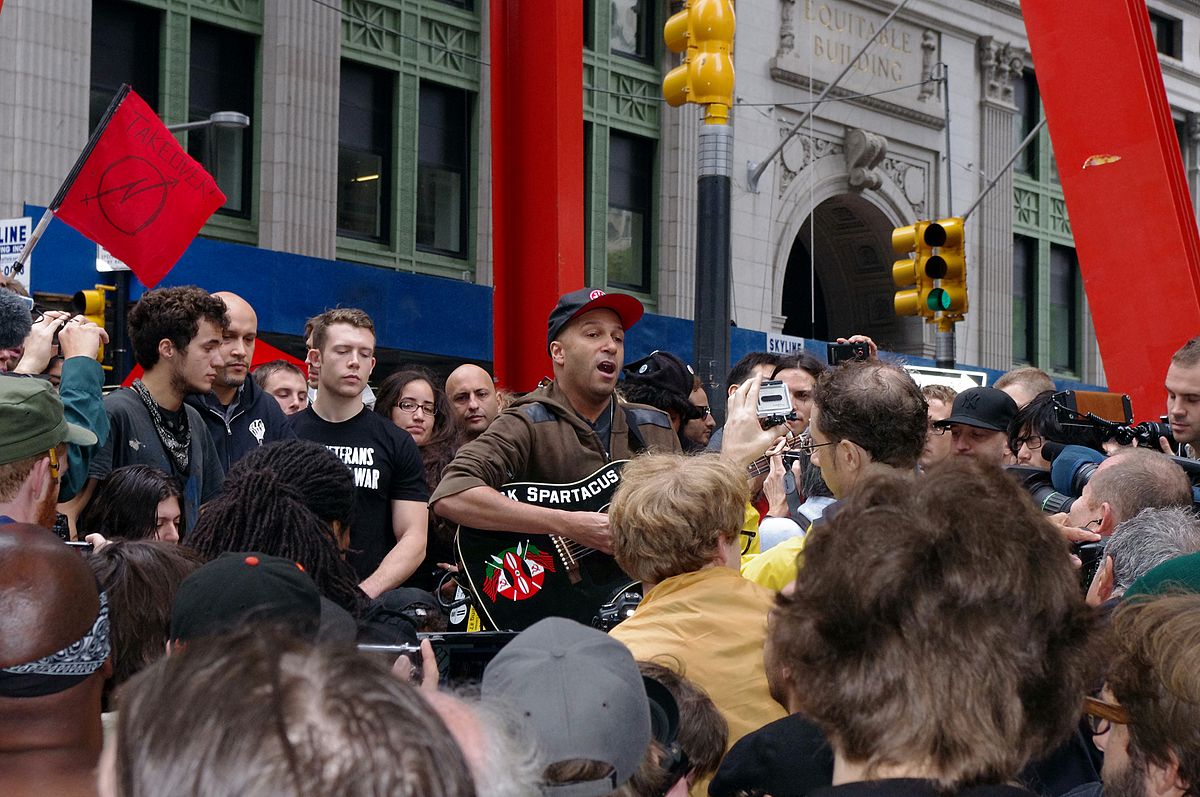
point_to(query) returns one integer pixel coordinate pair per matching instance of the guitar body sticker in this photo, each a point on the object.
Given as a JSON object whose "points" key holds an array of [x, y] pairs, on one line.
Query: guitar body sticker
{"points": [[517, 573]]}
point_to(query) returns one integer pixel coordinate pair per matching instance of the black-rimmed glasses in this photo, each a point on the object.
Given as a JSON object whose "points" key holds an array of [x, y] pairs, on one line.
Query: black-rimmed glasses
{"points": [[407, 405], [1101, 715]]}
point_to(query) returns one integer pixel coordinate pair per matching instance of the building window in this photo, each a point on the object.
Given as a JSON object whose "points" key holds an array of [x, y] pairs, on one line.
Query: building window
{"points": [[442, 170], [1168, 34], [1064, 309], [630, 200], [222, 79], [1024, 326], [364, 152], [125, 48], [1025, 94], [630, 32]]}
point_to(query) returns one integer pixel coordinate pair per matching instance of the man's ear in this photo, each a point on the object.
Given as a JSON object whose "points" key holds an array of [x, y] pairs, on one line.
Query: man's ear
{"points": [[1163, 779], [1108, 520], [849, 455], [556, 353], [40, 481], [732, 389], [166, 349], [1101, 588]]}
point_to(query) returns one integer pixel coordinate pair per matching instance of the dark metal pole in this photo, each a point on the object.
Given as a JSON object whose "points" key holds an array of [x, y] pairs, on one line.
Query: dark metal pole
{"points": [[122, 362], [713, 255]]}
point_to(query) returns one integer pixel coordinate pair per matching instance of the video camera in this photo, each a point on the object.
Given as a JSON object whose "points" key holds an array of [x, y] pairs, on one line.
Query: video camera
{"points": [[1111, 415], [774, 404]]}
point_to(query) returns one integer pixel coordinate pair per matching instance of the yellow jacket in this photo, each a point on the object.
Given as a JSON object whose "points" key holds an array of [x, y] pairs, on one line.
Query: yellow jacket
{"points": [[710, 625]]}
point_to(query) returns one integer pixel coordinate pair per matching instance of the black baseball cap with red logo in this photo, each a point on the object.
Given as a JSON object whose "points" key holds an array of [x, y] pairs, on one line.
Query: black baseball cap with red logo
{"points": [[584, 300]]}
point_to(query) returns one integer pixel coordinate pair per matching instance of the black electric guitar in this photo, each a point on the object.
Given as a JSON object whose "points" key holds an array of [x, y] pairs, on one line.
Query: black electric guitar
{"points": [[517, 579]]}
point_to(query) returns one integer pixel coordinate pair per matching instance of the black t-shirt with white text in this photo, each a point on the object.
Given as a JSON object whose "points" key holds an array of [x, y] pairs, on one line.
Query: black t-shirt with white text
{"points": [[386, 464]]}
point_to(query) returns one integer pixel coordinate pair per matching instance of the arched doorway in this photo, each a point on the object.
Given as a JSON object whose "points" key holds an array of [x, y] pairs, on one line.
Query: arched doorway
{"points": [[839, 277]]}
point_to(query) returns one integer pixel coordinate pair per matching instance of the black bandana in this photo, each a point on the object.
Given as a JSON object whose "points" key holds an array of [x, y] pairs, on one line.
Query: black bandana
{"points": [[63, 669], [177, 442]]}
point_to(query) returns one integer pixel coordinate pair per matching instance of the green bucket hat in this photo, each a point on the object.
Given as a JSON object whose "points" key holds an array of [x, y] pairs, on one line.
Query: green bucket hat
{"points": [[31, 420]]}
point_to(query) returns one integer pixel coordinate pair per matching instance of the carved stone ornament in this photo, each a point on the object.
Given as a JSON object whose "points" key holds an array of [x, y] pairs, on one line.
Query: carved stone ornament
{"points": [[1000, 64], [929, 46], [787, 27], [864, 152], [801, 152]]}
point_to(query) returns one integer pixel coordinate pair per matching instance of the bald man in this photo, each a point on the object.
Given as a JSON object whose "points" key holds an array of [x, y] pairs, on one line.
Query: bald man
{"points": [[54, 659], [473, 397], [239, 414]]}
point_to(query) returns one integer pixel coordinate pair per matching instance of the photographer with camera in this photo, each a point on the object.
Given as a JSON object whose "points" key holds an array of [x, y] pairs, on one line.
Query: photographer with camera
{"points": [[1122, 486], [1038, 423], [1183, 400], [863, 413]]}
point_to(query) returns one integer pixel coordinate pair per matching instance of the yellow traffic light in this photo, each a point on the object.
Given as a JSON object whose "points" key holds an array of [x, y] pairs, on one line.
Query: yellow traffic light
{"points": [[677, 36], [92, 305], [948, 265], [908, 273], [703, 31]]}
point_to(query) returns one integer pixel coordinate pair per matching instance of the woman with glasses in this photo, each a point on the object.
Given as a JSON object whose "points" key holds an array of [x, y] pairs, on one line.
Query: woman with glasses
{"points": [[412, 399], [1036, 423]]}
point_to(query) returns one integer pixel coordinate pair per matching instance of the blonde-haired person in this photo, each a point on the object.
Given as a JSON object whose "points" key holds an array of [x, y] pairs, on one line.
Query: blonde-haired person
{"points": [[676, 526]]}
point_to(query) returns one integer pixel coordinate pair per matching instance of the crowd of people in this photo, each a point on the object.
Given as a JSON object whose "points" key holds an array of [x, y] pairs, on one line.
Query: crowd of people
{"points": [[228, 580]]}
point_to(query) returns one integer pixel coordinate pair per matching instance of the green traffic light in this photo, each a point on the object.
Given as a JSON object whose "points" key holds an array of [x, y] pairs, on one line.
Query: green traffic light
{"points": [[939, 300]]}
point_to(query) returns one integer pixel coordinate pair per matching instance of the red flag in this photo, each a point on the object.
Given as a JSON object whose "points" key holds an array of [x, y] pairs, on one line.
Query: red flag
{"points": [[136, 192]]}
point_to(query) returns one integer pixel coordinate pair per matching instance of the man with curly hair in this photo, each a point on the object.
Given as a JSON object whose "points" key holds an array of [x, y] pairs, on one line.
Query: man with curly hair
{"points": [[176, 337]]}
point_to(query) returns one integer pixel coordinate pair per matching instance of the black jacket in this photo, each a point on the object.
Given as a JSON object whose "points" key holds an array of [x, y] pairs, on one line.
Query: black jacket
{"points": [[256, 420]]}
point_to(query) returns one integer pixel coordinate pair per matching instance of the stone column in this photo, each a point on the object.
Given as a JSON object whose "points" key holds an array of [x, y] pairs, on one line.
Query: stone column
{"points": [[45, 77], [1191, 156], [299, 128], [677, 212], [991, 303]]}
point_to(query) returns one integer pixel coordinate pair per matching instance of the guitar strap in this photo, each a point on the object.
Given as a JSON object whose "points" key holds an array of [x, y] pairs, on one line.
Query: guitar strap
{"points": [[637, 443]]}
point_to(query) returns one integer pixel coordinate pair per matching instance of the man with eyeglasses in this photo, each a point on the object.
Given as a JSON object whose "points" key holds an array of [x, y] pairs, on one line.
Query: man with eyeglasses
{"points": [[863, 413], [978, 424], [697, 432], [389, 533], [938, 444], [1146, 717]]}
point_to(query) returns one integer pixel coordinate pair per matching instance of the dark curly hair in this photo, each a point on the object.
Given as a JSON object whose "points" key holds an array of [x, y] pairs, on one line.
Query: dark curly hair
{"points": [[173, 314]]}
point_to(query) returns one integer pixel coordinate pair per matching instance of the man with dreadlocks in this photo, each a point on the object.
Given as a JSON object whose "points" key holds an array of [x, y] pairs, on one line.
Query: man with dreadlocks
{"points": [[264, 509], [176, 337]]}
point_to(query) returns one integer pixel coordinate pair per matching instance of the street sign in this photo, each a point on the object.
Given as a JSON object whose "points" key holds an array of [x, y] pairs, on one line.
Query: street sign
{"points": [[105, 261], [956, 378], [784, 344], [14, 233]]}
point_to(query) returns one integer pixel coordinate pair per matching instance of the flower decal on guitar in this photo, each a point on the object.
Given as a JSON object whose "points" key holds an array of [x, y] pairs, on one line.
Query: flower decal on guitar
{"points": [[517, 573]]}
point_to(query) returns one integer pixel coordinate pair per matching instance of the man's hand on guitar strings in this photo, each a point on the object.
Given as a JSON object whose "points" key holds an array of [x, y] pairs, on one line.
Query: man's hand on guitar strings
{"points": [[589, 529]]}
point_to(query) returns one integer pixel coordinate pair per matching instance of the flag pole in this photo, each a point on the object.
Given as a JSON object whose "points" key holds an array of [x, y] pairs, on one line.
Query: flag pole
{"points": [[19, 266]]}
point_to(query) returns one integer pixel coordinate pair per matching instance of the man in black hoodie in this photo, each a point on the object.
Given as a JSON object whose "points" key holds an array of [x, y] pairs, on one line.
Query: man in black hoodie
{"points": [[239, 415]]}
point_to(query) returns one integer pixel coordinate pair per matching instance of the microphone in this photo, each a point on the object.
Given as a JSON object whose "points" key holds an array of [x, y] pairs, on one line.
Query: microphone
{"points": [[1072, 468]]}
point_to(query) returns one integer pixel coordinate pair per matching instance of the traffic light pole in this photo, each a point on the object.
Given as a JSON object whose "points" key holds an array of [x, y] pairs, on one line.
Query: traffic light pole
{"points": [[943, 356], [713, 256], [119, 334]]}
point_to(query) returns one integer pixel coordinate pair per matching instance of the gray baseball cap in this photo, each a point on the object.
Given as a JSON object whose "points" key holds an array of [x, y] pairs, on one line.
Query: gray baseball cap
{"points": [[583, 696]]}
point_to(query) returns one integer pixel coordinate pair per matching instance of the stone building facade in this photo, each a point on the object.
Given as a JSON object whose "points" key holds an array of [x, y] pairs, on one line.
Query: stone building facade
{"points": [[369, 147]]}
